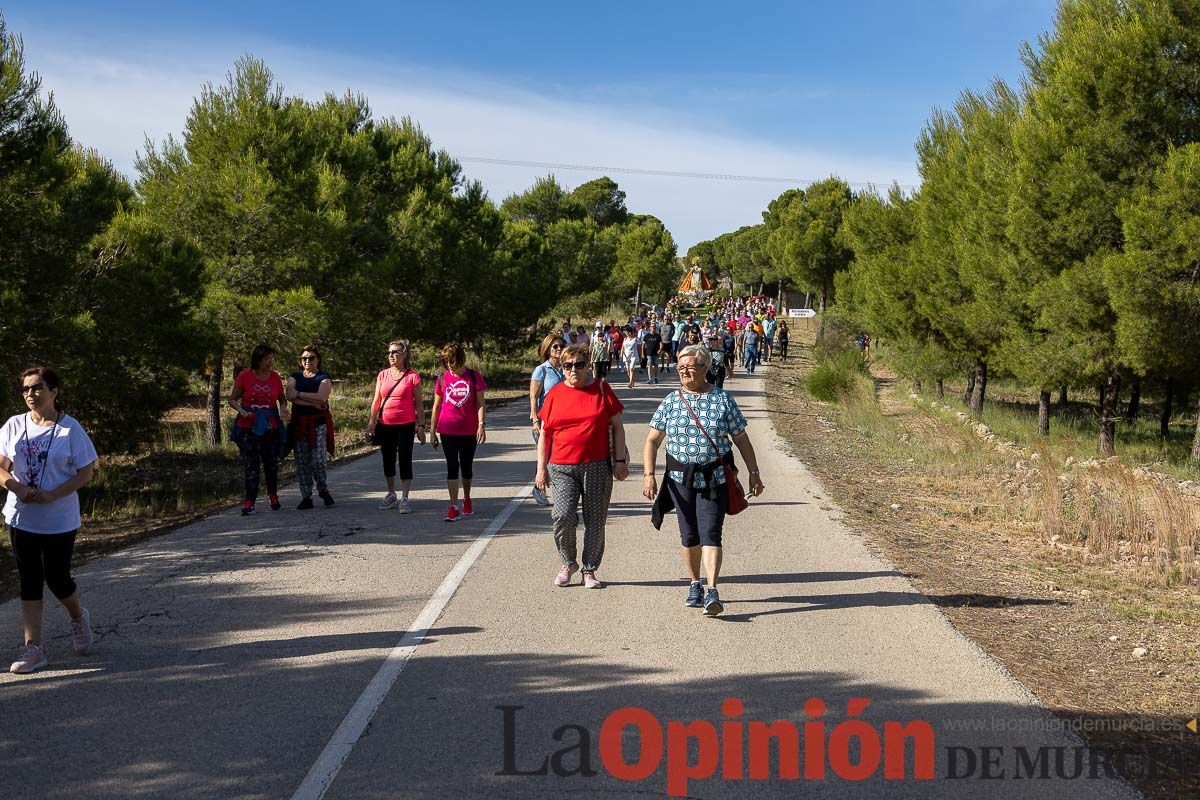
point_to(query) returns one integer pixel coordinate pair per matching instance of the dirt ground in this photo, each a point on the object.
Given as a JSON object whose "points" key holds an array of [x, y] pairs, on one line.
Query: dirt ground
{"points": [[1065, 628]]}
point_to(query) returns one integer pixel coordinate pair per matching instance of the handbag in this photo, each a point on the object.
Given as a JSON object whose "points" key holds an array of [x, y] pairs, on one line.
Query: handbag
{"points": [[737, 495], [372, 437]]}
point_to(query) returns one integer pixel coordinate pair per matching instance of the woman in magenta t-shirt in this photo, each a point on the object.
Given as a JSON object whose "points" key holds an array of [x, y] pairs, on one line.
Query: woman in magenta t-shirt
{"points": [[458, 423], [397, 414], [262, 413], [573, 457]]}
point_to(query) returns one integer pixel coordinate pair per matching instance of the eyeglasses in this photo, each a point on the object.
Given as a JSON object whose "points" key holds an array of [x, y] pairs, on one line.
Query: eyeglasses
{"points": [[575, 365], [36, 388], [395, 353], [313, 358], [556, 347]]}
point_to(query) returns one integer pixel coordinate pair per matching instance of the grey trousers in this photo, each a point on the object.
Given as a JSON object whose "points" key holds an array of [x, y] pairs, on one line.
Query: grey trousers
{"points": [[310, 464], [593, 482]]}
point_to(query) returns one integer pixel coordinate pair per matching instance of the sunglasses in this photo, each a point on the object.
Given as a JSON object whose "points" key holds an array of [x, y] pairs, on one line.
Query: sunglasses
{"points": [[575, 365], [36, 388], [310, 358], [395, 353]]}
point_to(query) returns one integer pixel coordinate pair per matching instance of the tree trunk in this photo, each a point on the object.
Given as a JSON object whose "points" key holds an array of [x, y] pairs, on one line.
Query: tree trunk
{"points": [[970, 388], [1196, 439], [761, 285], [212, 420], [939, 389], [779, 301], [979, 388], [808, 299], [1062, 395], [1044, 413], [1135, 401], [821, 311], [1164, 421], [1110, 393], [637, 301]]}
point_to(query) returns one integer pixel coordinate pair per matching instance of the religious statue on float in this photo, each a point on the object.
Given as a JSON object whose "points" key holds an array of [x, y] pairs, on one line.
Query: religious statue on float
{"points": [[696, 284]]}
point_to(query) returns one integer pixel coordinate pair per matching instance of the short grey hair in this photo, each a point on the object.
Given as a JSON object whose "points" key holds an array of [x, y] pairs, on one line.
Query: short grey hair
{"points": [[701, 353]]}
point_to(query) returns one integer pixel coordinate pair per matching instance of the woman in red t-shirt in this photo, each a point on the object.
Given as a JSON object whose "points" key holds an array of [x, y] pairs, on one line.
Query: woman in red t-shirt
{"points": [[397, 414], [573, 457], [262, 414]]}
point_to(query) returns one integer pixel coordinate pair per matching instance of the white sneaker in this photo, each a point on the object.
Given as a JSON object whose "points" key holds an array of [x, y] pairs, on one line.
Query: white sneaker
{"points": [[81, 633], [540, 498], [389, 500], [30, 658], [405, 508]]}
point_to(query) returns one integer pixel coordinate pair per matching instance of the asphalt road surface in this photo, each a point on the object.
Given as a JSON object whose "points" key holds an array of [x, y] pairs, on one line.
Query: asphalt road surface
{"points": [[358, 653]]}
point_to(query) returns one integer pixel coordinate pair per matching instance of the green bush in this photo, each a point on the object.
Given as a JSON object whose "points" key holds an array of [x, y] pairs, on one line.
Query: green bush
{"points": [[834, 375]]}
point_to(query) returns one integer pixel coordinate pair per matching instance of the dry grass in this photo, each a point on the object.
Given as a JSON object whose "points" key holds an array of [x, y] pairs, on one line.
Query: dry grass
{"points": [[1058, 579]]}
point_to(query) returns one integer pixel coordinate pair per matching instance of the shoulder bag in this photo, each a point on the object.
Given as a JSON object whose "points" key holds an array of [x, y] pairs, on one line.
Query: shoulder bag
{"points": [[372, 437]]}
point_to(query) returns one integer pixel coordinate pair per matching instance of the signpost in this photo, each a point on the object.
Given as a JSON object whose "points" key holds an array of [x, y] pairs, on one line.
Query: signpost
{"points": [[802, 313]]}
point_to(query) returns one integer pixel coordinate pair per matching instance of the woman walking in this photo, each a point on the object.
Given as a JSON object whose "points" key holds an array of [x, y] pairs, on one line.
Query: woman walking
{"points": [[45, 458], [397, 410], [630, 352], [601, 354], [783, 339], [458, 419], [574, 458], [546, 376], [261, 407], [311, 433], [700, 424]]}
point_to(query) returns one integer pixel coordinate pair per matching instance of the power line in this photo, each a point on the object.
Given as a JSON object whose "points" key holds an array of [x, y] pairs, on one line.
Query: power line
{"points": [[508, 162]]}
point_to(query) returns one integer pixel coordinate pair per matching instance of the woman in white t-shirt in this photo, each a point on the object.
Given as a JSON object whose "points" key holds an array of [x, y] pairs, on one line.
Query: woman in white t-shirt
{"points": [[45, 457], [630, 355]]}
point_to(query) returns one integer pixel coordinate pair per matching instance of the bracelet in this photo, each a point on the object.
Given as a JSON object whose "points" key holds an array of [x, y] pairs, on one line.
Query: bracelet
{"points": [[753, 472]]}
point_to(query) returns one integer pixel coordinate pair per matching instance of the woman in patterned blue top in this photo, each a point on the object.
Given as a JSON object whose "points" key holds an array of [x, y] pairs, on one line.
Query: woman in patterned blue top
{"points": [[694, 483]]}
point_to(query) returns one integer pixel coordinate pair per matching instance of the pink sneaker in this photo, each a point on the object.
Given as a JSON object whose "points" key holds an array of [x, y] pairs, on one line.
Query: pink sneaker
{"points": [[81, 633], [590, 581], [451, 513], [564, 575], [30, 658], [466, 507]]}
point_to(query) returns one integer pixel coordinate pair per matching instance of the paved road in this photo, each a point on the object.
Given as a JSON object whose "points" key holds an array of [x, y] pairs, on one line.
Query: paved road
{"points": [[230, 653]]}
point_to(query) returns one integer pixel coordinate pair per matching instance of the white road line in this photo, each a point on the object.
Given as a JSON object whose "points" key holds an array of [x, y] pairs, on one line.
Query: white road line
{"points": [[320, 777]]}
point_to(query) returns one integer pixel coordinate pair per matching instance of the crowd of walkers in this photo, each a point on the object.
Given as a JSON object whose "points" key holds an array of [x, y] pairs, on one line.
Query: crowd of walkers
{"points": [[575, 423]]}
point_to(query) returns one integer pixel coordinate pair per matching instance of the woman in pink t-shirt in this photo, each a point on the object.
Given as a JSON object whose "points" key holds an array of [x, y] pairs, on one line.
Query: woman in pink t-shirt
{"points": [[397, 413], [458, 423]]}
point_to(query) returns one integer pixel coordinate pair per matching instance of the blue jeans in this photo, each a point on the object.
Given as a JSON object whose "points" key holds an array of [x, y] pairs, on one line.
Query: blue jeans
{"points": [[751, 359]]}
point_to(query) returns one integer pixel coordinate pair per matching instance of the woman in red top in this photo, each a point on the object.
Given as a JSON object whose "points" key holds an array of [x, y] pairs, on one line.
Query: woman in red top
{"points": [[573, 457], [262, 413], [397, 413], [458, 417]]}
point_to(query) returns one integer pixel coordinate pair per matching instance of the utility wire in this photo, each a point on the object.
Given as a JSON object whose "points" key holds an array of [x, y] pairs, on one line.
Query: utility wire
{"points": [[508, 162]]}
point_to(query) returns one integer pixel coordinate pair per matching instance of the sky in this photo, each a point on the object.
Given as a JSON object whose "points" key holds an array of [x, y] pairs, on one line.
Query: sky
{"points": [[796, 91]]}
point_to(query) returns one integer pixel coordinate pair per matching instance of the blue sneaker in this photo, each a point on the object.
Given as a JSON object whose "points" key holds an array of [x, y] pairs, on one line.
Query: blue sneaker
{"points": [[712, 603], [695, 595]]}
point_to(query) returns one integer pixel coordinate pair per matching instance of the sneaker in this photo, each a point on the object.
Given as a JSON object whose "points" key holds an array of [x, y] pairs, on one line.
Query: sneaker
{"points": [[247, 508], [695, 595], [452, 514], [590, 581], [405, 506], [275, 505], [81, 633], [326, 498], [712, 603], [305, 504], [564, 575], [30, 658], [389, 500], [467, 510], [540, 498]]}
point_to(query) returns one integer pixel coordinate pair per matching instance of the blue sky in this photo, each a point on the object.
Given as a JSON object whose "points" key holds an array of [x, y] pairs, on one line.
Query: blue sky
{"points": [[798, 90]]}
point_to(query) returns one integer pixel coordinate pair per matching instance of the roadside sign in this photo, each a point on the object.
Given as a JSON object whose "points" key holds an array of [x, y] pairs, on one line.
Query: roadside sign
{"points": [[801, 312]]}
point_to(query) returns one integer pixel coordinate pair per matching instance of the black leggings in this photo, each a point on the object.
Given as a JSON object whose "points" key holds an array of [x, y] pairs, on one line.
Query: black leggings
{"points": [[460, 453], [396, 440], [260, 451], [43, 558], [600, 369]]}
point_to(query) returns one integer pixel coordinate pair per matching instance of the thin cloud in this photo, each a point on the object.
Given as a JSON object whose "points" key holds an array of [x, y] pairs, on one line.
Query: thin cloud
{"points": [[114, 103]]}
